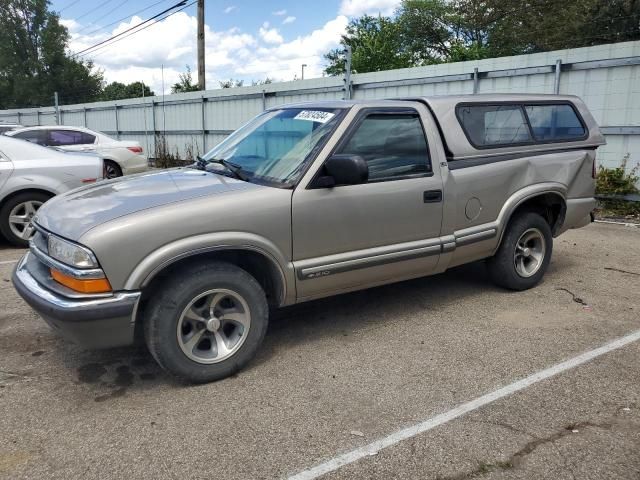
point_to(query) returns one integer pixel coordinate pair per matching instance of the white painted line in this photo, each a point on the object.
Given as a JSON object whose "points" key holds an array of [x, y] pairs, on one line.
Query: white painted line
{"points": [[8, 262], [406, 433]]}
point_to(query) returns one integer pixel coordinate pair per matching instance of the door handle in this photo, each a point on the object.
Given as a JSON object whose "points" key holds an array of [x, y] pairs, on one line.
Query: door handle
{"points": [[432, 196]]}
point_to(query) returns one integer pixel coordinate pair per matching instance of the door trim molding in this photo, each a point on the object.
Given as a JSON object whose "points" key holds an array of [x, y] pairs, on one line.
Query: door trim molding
{"points": [[374, 257]]}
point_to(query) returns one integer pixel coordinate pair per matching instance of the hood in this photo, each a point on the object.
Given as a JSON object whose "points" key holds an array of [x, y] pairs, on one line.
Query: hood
{"points": [[74, 213]]}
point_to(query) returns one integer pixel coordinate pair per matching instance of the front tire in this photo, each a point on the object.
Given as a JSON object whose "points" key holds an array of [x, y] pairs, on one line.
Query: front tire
{"points": [[206, 322], [16, 215], [524, 254]]}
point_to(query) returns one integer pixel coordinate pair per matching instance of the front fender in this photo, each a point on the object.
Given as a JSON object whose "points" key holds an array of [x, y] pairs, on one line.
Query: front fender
{"points": [[170, 253]]}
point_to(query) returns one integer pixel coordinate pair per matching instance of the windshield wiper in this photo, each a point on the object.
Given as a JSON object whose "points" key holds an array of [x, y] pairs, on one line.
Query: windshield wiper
{"points": [[234, 168]]}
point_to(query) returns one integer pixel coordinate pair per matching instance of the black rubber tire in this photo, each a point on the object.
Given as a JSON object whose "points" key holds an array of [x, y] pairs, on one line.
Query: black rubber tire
{"points": [[6, 209], [115, 166], [501, 266], [168, 301]]}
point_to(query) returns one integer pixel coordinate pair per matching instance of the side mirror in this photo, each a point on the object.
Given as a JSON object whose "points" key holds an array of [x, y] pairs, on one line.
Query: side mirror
{"points": [[343, 170]]}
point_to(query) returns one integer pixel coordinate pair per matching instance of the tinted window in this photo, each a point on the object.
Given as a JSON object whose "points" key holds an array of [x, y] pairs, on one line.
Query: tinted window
{"points": [[488, 125], [33, 136], [59, 138], [393, 145], [554, 122]]}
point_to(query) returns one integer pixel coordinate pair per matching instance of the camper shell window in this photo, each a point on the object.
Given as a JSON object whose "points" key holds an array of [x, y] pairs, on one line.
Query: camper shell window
{"points": [[509, 124]]}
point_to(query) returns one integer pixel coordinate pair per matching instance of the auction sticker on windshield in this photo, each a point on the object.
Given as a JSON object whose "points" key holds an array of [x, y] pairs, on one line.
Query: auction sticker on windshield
{"points": [[314, 116]]}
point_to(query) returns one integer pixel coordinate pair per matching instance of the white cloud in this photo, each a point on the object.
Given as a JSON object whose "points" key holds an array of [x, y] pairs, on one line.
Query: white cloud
{"points": [[230, 9], [280, 13], [229, 54], [270, 35], [289, 19], [355, 8]]}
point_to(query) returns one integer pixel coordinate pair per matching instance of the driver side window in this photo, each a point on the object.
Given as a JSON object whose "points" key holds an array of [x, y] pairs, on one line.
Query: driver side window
{"points": [[393, 145]]}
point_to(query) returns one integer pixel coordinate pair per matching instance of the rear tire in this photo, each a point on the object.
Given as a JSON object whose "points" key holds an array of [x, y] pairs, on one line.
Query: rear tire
{"points": [[16, 215], [206, 322], [524, 254], [112, 169]]}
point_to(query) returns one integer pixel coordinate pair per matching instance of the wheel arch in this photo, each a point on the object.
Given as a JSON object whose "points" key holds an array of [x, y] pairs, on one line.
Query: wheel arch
{"points": [[15, 193], [258, 263], [547, 199]]}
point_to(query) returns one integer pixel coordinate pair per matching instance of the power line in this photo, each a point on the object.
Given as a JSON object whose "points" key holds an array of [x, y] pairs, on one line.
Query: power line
{"points": [[100, 45], [93, 10], [119, 20], [132, 28], [69, 6]]}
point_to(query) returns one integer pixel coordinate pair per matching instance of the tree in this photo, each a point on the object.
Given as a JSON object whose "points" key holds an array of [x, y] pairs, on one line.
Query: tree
{"points": [[266, 81], [376, 44], [231, 83], [33, 60], [185, 84], [424, 32], [119, 91]]}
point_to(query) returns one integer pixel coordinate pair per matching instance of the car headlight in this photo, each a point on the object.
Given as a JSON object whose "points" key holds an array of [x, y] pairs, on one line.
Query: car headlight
{"points": [[71, 254]]}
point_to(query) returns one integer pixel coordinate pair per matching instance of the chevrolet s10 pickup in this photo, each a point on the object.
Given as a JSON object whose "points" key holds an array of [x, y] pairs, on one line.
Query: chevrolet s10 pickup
{"points": [[307, 201]]}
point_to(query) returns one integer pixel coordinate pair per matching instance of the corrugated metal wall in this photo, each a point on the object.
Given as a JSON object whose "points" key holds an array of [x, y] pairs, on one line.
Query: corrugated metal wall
{"points": [[607, 77]]}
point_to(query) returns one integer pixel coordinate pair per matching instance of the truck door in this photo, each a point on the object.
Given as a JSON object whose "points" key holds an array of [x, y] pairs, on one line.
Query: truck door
{"points": [[353, 236]]}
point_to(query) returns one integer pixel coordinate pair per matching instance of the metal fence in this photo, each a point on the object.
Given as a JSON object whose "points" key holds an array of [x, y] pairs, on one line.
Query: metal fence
{"points": [[607, 77]]}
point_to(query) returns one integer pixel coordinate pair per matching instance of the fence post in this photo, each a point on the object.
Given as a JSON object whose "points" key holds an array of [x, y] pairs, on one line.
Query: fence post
{"points": [[55, 101], [153, 128], [84, 116], [19, 123], [204, 130], [347, 73], [38, 117], [476, 81], [264, 100], [115, 110], [556, 84]]}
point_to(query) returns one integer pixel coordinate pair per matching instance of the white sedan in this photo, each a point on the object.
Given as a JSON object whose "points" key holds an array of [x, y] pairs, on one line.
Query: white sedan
{"points": [[30, 175], [120, 157]]}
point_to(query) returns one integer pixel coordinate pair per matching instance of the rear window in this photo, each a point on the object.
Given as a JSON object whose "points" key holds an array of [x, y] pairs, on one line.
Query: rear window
{"points": [[488, 125], [554, 122], [513, 124]]}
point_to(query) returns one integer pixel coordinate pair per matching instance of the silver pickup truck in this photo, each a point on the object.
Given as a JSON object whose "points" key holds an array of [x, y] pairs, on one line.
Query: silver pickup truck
{"points": [[307, 201]]}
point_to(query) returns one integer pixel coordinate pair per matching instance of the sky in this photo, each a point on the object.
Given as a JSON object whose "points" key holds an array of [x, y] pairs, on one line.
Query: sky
{"points": [[244, 39]]}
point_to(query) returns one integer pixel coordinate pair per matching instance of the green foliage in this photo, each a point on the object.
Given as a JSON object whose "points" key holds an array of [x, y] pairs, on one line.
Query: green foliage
{"points": [[33, 61], [119, 91], [376, 44], [618, 181], [266, 81], [231, 83], [185, 84], [425, 32]]}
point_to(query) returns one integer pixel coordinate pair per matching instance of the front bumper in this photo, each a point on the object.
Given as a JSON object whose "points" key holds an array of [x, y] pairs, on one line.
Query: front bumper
{"points": [[101, 322]]}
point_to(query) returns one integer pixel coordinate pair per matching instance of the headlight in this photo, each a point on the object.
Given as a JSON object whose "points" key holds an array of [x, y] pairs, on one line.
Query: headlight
{"points": [[71, 254]]}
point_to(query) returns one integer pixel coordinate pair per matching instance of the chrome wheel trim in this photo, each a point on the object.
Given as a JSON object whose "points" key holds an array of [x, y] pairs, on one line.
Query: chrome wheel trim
{"points": [[110, 170], [529, 252], [20, 218], [213, 326]]}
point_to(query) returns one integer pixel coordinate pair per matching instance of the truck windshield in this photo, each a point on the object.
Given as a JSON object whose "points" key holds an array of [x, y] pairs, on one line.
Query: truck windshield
{"points": [[274, 147]]}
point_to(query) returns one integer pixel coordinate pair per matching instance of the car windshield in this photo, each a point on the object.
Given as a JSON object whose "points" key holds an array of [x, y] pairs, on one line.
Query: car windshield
{"points": [[275, 146]]}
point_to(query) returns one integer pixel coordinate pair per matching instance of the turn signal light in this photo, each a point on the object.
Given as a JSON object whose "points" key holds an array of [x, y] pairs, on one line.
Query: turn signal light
{"points": [[93, 285]]}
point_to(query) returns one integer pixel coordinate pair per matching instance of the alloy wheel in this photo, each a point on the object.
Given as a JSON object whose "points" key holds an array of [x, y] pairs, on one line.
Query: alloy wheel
{"points": [[213, 326]]}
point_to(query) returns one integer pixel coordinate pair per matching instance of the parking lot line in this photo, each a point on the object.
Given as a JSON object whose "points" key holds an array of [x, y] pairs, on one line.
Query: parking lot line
{"points": [[426, 425], [7, 262]]}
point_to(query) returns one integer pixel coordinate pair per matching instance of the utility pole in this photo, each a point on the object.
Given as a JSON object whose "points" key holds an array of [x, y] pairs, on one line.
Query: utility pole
{"points": [[347, 73], [55, 101], [202, 84]]}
